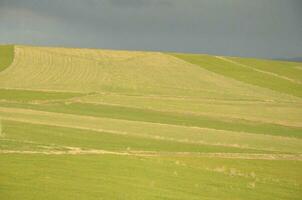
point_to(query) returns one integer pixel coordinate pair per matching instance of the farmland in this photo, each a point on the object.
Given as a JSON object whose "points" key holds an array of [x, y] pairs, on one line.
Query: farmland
{"points": [[108, 124]]}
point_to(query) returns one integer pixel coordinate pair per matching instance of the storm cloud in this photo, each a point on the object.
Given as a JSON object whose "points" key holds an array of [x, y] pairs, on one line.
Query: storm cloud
{"points": [[258, 28]]}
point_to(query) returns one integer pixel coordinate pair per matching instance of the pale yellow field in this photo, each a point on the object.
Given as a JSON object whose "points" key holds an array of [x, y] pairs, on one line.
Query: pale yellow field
{"points": [[159, 81], [82, 70]]}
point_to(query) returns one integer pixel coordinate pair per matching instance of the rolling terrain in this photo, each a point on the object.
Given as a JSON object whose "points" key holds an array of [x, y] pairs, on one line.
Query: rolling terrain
{"points": [[108, 124]]}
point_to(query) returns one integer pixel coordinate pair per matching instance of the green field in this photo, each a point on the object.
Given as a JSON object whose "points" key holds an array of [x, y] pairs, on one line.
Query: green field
{"points": [[104, 124]]}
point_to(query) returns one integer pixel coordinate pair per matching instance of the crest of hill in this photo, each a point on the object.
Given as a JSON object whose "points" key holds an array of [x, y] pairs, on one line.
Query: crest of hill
{"points": [[151, 73]]}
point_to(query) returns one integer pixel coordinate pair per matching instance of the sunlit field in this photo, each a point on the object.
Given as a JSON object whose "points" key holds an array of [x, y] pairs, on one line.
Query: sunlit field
{"points": [[105, 124]]}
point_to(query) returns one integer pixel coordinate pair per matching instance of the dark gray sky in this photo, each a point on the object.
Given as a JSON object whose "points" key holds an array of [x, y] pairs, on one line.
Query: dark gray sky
{"points": [[250, 28]]}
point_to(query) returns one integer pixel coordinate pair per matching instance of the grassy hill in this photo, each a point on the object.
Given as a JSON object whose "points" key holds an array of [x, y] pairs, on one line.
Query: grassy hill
{"points": [[105, 124]]}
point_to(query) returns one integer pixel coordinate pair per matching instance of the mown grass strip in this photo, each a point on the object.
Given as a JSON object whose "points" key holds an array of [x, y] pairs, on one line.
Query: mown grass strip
{"points": [[63, 136], [136, 114], [182, 134]]}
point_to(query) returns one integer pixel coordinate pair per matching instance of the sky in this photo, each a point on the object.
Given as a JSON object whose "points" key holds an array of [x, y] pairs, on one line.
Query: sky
{"points": [[247, 28]]}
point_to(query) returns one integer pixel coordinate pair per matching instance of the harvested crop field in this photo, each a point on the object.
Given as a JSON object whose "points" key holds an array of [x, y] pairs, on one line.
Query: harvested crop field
{"points": [[105, 124]]}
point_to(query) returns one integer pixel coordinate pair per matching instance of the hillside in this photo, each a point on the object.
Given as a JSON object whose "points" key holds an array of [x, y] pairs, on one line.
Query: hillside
{"points": [[108, 124]]}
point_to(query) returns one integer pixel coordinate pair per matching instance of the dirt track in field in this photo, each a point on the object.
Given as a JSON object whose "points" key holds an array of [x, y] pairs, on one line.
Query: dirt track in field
{"points": [[79, 151]]}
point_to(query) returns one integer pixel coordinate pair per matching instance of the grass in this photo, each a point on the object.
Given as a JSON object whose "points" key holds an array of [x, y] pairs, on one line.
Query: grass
{"points": [[45, 135], [145, 115], [285, 69], [30, 96], [6, 56], [99, 177], [102, 124], [242, 70]]}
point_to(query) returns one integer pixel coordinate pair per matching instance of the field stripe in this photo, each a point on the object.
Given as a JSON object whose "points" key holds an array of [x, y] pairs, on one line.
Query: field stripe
{"points": [[158, 116], [248, 112], [157, 131]]}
